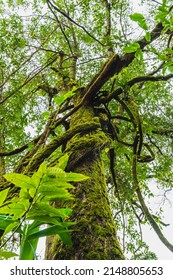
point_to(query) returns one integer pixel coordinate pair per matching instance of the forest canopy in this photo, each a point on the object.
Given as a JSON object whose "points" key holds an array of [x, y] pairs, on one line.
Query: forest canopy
{"points": [[86, 95]]}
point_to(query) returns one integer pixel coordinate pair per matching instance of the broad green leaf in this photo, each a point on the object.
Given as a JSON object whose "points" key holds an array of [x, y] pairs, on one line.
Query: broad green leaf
{"points": [[56, 172], [7, 255], [28, 249], [36, 178], [34, 226], [76, 177], [59, 99], [66, 238], [18, 209], [139, 54], [44, 219], [139, 18], [46, 209], [54, 191], [53, 230], [3, 195], [19, 180], [132, 48], [5, 221], [62, 162], [42, 170], [59, 183], [57, 198], [4, 210], [24, 194], [11, 227], [32, 192]]}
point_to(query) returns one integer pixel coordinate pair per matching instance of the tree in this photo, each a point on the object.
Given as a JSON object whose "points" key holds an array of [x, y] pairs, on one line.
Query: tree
{"points": [[90, 79]]}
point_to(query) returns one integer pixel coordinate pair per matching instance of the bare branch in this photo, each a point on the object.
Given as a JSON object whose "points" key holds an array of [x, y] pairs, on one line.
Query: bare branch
{"points": [[28, 79], [60, 25], [27, 60], [73, 21]]}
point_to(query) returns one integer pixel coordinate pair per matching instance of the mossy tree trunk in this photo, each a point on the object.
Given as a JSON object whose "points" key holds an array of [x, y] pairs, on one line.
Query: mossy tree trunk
{"points": [[94, 235]]}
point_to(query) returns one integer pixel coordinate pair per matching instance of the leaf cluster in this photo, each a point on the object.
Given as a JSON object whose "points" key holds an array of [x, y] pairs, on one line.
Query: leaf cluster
{"points": [[33, 208]]}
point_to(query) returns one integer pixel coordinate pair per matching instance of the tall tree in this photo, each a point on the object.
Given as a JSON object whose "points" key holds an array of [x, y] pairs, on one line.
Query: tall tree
{"points": [[91, 79]]}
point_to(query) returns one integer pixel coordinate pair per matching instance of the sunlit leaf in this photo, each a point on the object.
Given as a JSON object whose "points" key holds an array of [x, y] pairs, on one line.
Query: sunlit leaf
{"points": [[62, 162], [19, 180], [139, 18], [3, 195], [53, 230], [7, 255], [11, 227], [132, 48]]}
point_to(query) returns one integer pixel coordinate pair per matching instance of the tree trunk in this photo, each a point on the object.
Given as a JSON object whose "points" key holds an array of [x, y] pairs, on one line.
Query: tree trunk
{"points": [[94, 235]]}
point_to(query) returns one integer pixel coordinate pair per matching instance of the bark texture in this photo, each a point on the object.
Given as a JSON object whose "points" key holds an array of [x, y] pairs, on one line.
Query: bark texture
{"points": [[94, 235]]}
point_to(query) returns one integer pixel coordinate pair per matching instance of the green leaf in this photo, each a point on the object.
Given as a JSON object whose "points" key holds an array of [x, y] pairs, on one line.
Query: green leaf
{"points": [[46, 115], [53, 230], [3, 195], [18, 209], [20, 180], [28, 249], [53, 191], [62, 176], [148, 36], [33, 227], [42, 170], [76, 177], [4, 210], [11, 227], [139, 18], [44, 219], [132, 48], [66, 238], [62, 162], [47, 209], [49, 182], [139, 54], [32, 192], [59, 99], [23, 194], [5, 221], [7, 255]]}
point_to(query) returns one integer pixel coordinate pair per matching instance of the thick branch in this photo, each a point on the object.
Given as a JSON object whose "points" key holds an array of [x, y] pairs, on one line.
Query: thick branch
{"points": [[132, 82], [52, 146]]}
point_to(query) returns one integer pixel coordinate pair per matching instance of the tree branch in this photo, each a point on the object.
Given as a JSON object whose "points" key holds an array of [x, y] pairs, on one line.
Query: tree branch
{"points": [[131, 83], [116, 63], [145, 208], [73, 21]]}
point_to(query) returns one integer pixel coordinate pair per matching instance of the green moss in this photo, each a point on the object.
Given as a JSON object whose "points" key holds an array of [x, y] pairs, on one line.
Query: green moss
{"points": [[94, 235], [93, 256]]}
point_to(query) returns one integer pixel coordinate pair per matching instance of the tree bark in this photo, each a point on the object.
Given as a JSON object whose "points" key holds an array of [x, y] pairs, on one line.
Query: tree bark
{"points": [[94, 235]]}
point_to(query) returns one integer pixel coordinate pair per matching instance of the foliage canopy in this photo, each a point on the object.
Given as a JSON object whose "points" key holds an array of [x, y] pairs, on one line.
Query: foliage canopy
{"points": [[115, 56]]}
